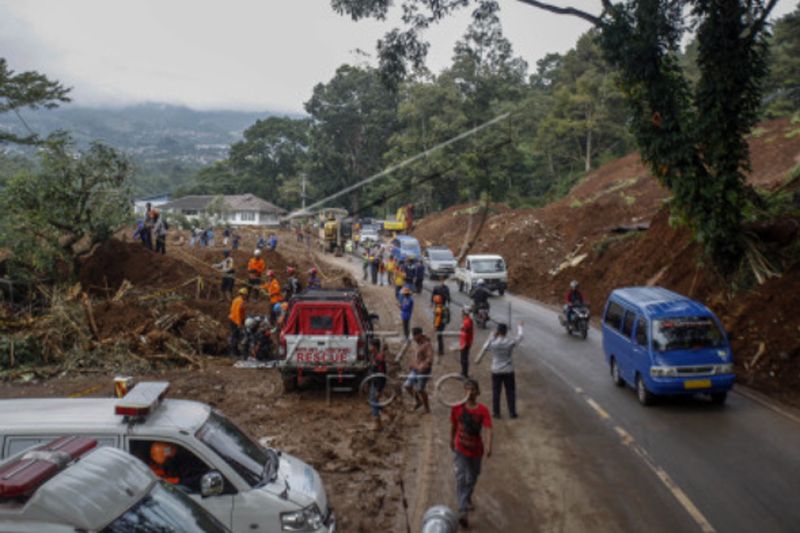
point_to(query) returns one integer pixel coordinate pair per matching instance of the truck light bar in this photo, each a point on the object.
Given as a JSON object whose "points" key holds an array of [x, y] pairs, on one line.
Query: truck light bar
{"points": [[21, 477], [140, 401]]}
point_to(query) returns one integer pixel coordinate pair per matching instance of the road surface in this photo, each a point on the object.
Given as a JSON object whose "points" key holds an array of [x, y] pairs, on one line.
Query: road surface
{"points": [[585, 455]]}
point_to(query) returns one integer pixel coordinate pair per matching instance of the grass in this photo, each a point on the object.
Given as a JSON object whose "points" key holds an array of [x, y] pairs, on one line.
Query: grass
{"points": [[758, 132]]}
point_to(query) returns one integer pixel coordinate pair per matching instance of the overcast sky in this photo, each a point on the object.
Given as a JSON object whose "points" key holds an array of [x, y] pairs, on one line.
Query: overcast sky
{"points": [[231, 54]]}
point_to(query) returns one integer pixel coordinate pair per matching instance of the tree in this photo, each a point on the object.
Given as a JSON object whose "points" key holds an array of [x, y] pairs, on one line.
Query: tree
{"points": [[71, 203], [352, 118], [29, 90], [692, 140], [783, 81]]}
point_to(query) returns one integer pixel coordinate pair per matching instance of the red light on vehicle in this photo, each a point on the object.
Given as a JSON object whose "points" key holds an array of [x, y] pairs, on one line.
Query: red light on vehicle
{"points": [[135, 412], [142, 399]]}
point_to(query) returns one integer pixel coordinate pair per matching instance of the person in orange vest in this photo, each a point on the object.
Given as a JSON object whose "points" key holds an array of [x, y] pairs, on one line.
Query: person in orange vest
{"points": [[236, 321], [255, 269], [273, 288], [162, 455]]}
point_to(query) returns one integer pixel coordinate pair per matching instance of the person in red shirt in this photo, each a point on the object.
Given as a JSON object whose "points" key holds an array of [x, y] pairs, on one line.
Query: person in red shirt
{"points": [[465, 339], [467, 421]]}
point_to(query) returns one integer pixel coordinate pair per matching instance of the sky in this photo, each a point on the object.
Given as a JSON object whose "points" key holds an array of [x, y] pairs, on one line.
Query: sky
{"points": [[256, 55]]}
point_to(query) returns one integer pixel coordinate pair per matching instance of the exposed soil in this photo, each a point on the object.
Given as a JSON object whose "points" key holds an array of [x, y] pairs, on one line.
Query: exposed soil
{"points": [[613, 230]]}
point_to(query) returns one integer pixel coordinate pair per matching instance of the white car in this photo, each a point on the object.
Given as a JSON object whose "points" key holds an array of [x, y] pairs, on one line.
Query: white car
{"points": [[488, 267], [244, 485], [67, 485], [439, 262]]}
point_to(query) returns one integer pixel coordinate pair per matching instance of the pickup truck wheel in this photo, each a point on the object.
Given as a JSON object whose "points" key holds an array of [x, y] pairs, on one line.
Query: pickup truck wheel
{"points": [[289, 383]]}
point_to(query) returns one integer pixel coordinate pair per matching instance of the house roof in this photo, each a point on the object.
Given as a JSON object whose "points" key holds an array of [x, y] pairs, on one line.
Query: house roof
{"points": [[234, 202]]}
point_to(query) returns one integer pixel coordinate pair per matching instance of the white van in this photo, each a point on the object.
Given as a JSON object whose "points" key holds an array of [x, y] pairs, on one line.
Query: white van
{"points": [[244, 485], [67, 485]]}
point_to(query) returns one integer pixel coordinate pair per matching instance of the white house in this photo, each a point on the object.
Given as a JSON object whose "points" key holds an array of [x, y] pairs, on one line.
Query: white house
{"points": [[140, 204], [239, 209]]}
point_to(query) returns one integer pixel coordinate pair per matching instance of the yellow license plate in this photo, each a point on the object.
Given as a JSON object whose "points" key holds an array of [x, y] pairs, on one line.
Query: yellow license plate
{"points": [[697, 384]]}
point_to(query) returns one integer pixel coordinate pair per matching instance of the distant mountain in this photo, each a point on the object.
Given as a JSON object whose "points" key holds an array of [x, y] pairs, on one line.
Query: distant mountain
{"points": [[166, 142]]}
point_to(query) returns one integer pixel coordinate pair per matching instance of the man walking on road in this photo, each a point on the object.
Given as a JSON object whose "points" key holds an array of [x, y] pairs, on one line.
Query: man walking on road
{"points": [[501, 348], [467, 421], [420, 365], [406, 309], [465, 339]]}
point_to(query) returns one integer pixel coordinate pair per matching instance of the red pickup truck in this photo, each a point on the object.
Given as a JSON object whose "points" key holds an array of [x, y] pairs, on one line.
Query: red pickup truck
{"points": [[327, 332]]}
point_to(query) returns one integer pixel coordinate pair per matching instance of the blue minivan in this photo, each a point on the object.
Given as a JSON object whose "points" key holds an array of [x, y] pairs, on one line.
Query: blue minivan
{"points": [[663, 344], [405, 247]]}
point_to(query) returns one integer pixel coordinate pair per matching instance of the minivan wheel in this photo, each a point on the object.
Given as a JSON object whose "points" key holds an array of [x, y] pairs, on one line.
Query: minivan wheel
{"points": [[645, 396], [615, 375], [718, 398]]}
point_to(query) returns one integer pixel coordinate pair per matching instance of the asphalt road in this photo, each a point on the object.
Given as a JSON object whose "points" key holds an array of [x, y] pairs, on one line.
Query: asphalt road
{"points": [[724, 468]]}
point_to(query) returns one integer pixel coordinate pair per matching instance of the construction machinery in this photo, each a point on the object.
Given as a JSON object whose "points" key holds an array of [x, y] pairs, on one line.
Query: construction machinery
{"points": [[331, 229], [403, 221]]}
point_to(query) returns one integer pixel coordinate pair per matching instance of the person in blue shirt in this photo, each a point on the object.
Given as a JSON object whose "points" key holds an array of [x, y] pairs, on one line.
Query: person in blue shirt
{"points": [[419, 276], [272, 243], [406, 310]]}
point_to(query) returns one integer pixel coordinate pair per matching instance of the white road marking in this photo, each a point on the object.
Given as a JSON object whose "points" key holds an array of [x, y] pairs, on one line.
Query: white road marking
{"points": [[599, 410]]}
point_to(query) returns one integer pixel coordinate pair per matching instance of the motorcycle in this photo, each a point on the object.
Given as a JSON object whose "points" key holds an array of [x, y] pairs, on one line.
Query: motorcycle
{"points": [[578, 321], [482, 316]]}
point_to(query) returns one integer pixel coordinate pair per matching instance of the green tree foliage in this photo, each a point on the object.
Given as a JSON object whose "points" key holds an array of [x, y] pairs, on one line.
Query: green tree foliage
{"points": [[693, 138], [29, 90], [783, 81], [352, 118], [69, 204]]}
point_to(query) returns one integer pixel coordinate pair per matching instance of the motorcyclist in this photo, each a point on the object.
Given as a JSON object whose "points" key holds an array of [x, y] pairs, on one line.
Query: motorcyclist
{"points": [[572, 299], [480, 296]]}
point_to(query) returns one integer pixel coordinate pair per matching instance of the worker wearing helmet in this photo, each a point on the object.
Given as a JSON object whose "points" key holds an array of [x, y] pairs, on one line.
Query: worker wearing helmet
{"points": [[162, 456], [293, 285], [313, 279], [572, 298], [236, 321], [406, 310], [255, 269], [273, 288], [441, 317]]}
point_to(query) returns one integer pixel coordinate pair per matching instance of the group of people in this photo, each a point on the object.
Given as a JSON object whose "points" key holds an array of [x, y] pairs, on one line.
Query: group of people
{"points": [[261, 282], [153, 225]]}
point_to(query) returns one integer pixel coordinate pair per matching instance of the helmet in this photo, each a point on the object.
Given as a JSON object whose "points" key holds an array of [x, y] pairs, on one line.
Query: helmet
{"points": [[466, 309], [160, 452], [312, 271], [573, 284], [437, 298], [290, 270], [256, 252], [243, 291], [480, 282], [285, 306], [271, 273], [277, 307], [250, 322]]}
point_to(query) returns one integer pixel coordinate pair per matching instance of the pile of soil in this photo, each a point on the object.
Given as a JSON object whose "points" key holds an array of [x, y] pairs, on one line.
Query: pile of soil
{"points": [[613, 230]]}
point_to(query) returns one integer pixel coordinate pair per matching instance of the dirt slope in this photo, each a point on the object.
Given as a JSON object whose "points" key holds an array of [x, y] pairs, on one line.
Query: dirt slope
{"points": [[613, 230]]}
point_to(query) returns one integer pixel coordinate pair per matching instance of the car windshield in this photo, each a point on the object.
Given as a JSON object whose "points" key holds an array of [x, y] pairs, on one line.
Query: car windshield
{"points": [[409, 245], [250, 460], [440, 255], [165, 509], [487, 266], [686, 333]]}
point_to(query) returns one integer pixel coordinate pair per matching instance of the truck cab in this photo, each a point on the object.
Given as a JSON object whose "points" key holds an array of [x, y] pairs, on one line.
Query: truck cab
{"points": [[70, 485], [327, 332], [490, 268], [246, 486]]}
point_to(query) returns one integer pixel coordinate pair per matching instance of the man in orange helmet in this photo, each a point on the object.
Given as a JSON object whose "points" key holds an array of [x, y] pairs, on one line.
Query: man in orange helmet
{"points": [[255, 268], [236, 320]]}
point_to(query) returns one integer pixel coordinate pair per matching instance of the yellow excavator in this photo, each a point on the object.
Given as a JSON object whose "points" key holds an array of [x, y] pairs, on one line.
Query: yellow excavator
{"points": [[403, 221], [331, 229]]}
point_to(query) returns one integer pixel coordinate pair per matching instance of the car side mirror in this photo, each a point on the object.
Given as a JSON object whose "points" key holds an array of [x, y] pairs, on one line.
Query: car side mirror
{"points": [[375, 317], [211, 484]]}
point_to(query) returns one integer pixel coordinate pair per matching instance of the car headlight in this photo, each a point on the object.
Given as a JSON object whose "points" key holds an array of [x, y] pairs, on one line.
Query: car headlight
{"points": [[306, 519], [726, 368], [663, 371]]}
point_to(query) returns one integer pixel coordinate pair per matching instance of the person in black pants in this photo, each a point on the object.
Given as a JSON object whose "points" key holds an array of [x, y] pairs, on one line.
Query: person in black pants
{"points": [[501, 347]]}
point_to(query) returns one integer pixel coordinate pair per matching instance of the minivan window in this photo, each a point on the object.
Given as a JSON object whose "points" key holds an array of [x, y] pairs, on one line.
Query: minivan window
{"points": [[685, 333], [614, 315], [627, 324], [641, 332], [441, 255], [248, 458]]}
